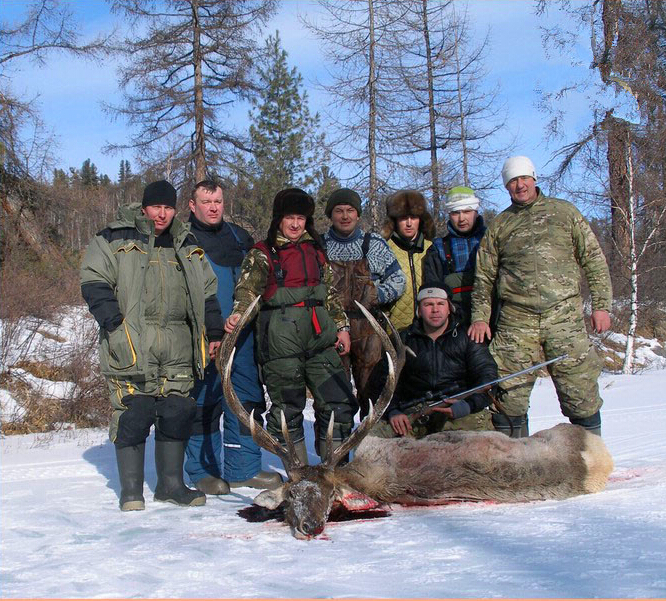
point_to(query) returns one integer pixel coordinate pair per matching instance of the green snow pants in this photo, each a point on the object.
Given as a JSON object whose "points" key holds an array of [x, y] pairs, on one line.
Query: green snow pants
{"points": [[170, 377], [292, 358]]}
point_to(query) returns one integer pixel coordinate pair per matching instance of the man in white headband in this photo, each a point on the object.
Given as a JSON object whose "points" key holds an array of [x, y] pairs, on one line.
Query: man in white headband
{"points": [[532, 254], [444, 360], [451, 258]]}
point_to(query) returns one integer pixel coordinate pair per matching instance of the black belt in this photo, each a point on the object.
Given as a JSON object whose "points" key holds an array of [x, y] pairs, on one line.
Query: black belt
{"points": [[309, 303]]}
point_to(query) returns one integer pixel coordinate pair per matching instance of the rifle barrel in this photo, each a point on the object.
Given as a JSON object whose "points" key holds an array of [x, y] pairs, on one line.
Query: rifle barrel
{"points": [[480, 388]]}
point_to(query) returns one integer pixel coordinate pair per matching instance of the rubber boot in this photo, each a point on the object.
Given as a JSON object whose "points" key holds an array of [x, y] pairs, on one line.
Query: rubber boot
{"points": [[503, 424], [263, 480], [211, 485], [592, 423], [169, 456], [301, 453], [130, 472], [321, 450]]}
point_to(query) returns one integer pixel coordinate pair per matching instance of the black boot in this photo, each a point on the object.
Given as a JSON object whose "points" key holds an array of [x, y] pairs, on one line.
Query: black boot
{"points": [[301, 452], [169, 456], [592, 423], [514, 426], [130, 472]]}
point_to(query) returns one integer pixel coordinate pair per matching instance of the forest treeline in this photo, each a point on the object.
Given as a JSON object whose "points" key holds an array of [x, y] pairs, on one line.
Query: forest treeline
{"points": [[408, 107]]}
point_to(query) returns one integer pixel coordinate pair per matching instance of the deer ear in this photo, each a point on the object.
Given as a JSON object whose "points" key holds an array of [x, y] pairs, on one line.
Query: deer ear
{"points": [[354, 500], [270, 499]]}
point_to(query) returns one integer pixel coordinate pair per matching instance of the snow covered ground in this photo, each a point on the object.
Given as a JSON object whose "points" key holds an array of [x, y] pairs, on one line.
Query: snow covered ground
{"points": [[64, 536]]}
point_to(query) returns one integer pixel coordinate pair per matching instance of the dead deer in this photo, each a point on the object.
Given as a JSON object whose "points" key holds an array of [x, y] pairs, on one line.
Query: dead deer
{"points": [[561, 462]]}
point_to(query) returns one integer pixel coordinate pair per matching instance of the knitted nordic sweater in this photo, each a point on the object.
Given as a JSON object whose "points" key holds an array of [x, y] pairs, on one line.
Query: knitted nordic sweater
{"points": [[384, 268]]}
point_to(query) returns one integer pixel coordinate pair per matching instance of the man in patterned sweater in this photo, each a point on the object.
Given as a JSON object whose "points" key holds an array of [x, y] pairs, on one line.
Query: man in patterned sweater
{"points": [[366, 271]]}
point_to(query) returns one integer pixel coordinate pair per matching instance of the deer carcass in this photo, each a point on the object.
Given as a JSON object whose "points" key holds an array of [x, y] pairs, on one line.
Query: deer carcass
{"points": [[561, 462]]}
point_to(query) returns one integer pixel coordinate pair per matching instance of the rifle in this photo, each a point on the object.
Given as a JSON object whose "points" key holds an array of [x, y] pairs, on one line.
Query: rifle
{"points": [[437, 399]]}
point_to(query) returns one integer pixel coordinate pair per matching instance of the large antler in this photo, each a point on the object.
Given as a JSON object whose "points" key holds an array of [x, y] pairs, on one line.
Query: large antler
{"points": [[396, 359], [224, 364]]}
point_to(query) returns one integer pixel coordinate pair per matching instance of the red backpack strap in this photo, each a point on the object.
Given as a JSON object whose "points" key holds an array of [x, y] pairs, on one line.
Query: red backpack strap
{"points": [[274, 265]]}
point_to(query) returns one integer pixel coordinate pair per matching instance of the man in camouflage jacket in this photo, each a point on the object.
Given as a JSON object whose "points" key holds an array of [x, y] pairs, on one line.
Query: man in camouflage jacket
{"points": [[532, 253]]}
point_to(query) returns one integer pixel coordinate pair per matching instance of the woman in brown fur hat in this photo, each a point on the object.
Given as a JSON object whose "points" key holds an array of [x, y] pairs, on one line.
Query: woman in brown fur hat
{"points": [[409, 229]]}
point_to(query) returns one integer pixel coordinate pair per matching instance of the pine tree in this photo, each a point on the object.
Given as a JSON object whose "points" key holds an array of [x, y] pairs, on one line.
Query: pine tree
{"points": [[89, 175], [124, 172], [60, 178], [284, 135]]}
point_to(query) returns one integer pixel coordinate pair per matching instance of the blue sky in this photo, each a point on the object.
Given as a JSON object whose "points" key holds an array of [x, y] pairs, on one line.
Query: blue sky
{"points": [[70, 90]]}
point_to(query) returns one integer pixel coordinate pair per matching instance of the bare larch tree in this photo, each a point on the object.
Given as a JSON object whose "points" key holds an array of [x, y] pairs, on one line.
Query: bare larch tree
{"points": [[187, 62]]}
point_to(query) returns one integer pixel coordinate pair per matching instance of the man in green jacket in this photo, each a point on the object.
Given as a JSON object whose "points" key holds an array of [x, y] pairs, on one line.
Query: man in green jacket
{"points": [[532, 253], [302, 328], [153, 294]]}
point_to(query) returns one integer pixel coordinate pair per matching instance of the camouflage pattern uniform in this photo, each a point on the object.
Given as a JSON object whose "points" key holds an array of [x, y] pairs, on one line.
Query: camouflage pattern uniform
{"points": [[292, 356], [532, 253]]}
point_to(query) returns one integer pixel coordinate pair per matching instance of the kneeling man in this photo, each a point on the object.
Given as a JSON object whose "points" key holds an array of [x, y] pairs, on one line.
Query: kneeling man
{"points": [[445, 361]]}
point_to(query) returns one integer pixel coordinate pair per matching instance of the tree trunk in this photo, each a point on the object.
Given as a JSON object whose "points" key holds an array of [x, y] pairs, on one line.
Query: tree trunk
{"points": [[627, 366], [461, 113], [434, 166], [372, 122], [620, 191], [199, 139]]}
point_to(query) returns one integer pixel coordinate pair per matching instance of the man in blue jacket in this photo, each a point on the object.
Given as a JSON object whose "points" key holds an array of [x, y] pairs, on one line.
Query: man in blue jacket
{"points": [[225, 245]]}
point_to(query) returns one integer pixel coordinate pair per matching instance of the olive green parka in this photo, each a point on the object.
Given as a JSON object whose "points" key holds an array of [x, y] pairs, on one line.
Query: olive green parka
{"points": [[113, 275]]}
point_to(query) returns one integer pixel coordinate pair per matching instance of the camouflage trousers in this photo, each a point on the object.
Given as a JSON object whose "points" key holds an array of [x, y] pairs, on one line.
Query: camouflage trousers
{"points": [[437, 422], [521, 337]]}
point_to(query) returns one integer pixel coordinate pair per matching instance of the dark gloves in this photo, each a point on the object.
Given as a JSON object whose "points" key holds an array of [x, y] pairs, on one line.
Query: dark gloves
{"points": [[460, 409]]}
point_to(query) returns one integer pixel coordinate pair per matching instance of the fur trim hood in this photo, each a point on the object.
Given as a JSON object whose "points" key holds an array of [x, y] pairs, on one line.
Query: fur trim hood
{"points": [[408, 202]]}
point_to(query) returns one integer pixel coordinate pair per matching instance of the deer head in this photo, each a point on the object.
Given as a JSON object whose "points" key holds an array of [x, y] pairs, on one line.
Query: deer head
{"points": [[310, 491]]}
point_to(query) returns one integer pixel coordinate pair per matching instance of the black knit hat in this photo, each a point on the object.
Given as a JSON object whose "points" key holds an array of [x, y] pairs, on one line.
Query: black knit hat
{"points": [[159, 193], [343, 196], [292, 201]]}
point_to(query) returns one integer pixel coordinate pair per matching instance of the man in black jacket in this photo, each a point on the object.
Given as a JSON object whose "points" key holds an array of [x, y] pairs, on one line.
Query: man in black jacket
{"points": [[446, 361]]}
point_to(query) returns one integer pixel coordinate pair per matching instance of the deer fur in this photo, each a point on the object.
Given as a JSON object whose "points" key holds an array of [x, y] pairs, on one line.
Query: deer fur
{"points": [[561, 462]]}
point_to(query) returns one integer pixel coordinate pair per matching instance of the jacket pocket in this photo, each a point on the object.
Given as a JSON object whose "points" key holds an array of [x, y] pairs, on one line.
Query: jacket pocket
{"points": [[122, 354], [177, 379]]}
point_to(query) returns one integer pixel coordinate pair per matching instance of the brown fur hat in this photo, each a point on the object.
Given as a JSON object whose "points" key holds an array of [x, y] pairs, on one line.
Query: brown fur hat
{"points": [[408, 202]]}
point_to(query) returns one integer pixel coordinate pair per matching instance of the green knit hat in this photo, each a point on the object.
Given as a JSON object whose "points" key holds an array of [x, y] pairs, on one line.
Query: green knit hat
{"points": [[461, 198]]}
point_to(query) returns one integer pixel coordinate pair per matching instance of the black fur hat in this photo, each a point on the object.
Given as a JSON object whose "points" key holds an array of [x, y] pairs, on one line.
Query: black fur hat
{"points": [[408, 202], [293, 201]]}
